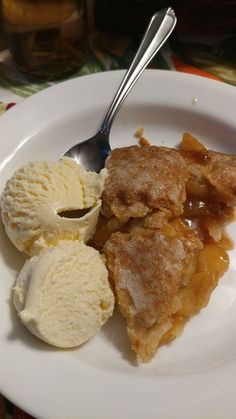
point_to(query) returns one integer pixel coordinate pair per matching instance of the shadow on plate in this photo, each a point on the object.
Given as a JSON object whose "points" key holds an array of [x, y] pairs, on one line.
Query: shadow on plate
{"points": [[19, 333], [115, 333], [10, 255], [168, 124]]}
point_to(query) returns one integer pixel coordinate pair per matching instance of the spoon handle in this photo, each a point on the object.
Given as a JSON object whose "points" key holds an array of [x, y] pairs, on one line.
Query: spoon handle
{"points": [[160, 27]]}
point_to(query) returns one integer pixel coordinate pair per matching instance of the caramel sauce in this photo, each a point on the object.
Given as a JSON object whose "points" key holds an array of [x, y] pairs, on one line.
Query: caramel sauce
{"points": [[209, 217], [213, 263], [193, 150], [103, 232]]}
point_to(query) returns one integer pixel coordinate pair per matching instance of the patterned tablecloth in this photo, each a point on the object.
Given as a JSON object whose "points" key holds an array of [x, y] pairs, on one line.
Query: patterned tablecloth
{"points": [[208, 56]]}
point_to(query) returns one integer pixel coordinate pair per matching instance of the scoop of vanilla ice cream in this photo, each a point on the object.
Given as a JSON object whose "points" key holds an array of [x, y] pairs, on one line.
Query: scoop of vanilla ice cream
{"points": [[63, 295], [38, 192]]}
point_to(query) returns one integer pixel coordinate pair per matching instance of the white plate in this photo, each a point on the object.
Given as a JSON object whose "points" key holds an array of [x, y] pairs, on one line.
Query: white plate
{"points": [[195, 376]]}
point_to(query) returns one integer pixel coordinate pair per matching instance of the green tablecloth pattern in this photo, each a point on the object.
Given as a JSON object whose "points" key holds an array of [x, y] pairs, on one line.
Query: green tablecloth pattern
{"points": [[209, 56]]}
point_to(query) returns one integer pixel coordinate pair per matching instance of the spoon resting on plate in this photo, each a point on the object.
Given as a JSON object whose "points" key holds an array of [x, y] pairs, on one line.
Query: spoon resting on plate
{"points": [[93, 152]]}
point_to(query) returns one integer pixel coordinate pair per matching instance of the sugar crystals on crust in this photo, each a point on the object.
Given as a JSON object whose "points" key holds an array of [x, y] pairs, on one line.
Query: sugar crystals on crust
{"points": [[141, 179], [147, 268]]}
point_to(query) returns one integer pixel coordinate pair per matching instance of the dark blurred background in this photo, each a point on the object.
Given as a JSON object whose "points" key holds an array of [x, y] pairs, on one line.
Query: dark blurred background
{"points": [[129, 17]]}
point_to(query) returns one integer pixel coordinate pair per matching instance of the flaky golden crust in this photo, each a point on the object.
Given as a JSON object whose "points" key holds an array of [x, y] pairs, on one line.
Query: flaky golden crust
{"points": [[220, 171], [141, 179], [163, 269], [147, 267]]}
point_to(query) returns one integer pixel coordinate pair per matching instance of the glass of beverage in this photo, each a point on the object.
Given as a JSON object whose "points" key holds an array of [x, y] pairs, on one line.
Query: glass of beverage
{"points": [[47, 38]]}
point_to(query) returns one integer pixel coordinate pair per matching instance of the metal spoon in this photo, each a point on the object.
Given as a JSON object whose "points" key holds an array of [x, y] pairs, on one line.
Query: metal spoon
{"points": [[93, 152]]}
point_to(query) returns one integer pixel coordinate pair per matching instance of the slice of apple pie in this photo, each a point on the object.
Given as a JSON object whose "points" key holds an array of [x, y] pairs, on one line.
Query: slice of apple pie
{"points": [[168, 252], [161, 278]]}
